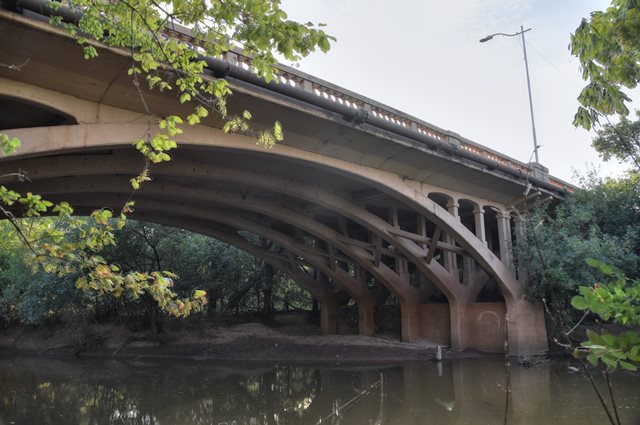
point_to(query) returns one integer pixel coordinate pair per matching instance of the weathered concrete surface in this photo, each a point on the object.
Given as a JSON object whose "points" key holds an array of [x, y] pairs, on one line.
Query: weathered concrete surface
{"points": [[434, 323]]}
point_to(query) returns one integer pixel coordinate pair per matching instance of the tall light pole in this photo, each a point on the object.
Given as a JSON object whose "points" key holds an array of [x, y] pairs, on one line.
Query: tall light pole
{"points": [[526, 67]]}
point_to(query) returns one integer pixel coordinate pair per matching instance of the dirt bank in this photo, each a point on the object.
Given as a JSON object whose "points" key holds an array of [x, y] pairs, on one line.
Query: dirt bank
{"points": [[290, 339]]}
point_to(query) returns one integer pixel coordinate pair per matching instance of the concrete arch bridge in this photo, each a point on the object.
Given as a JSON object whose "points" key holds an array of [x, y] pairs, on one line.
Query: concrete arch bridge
{"points": [[360, 202]]}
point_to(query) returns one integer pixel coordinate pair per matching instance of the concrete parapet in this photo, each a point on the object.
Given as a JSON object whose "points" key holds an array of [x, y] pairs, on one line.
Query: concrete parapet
{"points": [[539, 171]]}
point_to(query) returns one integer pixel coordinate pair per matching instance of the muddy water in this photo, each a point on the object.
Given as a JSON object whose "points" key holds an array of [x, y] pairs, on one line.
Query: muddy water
{"points": [[168, 392]]}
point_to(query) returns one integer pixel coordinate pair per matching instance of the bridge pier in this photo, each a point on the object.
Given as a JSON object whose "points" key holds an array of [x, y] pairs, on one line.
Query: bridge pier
{"points": [[526, 330], [328, 317], [409, 320], [366, 319], [457, 323]]}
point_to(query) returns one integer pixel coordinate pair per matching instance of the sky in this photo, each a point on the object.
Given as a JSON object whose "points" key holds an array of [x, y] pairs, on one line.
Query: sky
{"points": [[424, 58]]}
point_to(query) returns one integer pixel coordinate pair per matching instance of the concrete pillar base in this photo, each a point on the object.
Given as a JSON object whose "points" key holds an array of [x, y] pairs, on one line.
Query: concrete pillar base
{"points": [[366, 322], [457, 321], [526, 329], [409, 321], [329, 318]]}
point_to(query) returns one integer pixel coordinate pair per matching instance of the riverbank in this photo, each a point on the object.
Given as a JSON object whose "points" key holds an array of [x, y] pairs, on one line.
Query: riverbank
{"points": [[289, 339]]}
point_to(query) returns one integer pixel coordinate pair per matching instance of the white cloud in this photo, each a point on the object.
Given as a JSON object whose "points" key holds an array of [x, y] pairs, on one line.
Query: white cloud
{"points": [[473, 17]]}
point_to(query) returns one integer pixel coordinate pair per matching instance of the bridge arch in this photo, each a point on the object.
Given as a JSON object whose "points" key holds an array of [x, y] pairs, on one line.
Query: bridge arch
{"points": [[364, 170], [93, 165], [225, 222], [59, 144], [317, 285], [19, 112], [54, 140]]}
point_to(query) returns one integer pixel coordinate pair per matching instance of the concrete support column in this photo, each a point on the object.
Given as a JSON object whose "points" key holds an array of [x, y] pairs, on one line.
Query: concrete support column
{"points": [[521, 272], [479, 221], [453, 208], [526, 330], [402, 269], [468, 269], [422, 228], [393, 217], [519, 225], [504, 236], [450, 260], [457, 317], [329, 317], [366, 321], [409, 320]]}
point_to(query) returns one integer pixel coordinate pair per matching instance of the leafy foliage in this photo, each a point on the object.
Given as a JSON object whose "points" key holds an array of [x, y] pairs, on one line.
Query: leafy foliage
{"points": [[600, 221], [145, 30], [8, 144], [620, 141], [608, 48], [34, 297], [572, 250], [231, 280], [616, 301]]}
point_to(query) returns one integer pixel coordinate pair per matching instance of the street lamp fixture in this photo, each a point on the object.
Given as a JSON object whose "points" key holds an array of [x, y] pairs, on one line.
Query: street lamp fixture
{"points": [[526, 67]]}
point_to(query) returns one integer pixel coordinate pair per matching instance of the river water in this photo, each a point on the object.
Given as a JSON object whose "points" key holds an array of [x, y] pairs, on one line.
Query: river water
{"points": [[43, 391]]}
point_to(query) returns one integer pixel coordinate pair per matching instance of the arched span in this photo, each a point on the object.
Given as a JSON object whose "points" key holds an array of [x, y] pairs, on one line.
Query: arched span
{"points": [[56, 140], [20, 113], [192, 169], [95, 172], [318, 287], [365, 297]]}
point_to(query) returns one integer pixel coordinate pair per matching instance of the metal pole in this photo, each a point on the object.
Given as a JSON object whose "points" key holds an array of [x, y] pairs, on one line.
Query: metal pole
{"points": [[533, 123]]}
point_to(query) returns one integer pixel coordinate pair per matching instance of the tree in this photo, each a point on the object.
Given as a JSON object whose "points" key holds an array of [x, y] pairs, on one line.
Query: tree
{"points": [[142, 28], [608, 48], [620, 141], [600, 221]]}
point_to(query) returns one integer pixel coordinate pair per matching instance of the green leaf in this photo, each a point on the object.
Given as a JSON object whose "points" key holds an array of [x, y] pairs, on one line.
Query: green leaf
{"points": [[609, 361], [193, 119], [593, 262], [609, 339], [202, 112], [592, 358], [579, 303], [324, 44], [277, 131], [627, 365]]}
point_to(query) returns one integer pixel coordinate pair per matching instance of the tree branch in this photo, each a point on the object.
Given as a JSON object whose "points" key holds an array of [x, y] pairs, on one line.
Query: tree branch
{"points": [[15, 67]]}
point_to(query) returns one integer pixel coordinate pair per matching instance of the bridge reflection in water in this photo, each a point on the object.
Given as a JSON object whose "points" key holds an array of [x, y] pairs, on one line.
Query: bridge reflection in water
{"points": [[100, 392]]}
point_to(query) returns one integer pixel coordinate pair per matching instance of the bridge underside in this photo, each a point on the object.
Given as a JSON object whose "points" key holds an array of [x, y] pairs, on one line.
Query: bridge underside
{"points": [[348, 214], [333, 233]]}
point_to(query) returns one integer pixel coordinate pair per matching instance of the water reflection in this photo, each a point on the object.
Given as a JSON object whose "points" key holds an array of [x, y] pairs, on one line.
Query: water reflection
{"points": [[123, 392]]}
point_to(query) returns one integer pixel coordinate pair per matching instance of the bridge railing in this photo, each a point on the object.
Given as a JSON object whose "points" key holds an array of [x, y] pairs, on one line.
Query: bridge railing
{"points": [[342, 96]]}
